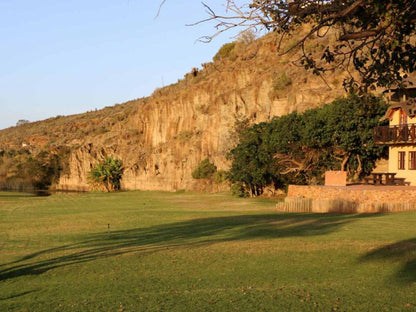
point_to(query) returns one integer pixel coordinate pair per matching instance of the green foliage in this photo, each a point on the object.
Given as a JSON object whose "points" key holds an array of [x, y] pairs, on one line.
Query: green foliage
{"points": [[44, 170], [299, 148], [280, 83], [36, 172], [220, 176], [375, 37], [205, 170], [344, 129], [252, 159], [225, 51], [107, 174], [239, 190]]}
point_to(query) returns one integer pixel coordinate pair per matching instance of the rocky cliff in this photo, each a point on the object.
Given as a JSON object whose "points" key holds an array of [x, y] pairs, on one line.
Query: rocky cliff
{"points": [[162, 138]]}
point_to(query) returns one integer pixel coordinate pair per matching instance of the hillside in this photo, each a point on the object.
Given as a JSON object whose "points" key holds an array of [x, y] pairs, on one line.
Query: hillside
{"points": [[162, 138]]}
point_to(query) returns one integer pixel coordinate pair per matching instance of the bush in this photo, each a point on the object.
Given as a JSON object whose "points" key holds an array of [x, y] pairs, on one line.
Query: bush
{"points": [[246, 37], [220, 176], [280, 83], [225, 51], [41, 171], [205, 170], [239, 190]]}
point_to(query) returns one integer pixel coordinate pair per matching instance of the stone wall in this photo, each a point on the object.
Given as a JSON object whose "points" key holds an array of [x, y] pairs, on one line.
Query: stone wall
{"points": [[350, 199], [359, 193]]}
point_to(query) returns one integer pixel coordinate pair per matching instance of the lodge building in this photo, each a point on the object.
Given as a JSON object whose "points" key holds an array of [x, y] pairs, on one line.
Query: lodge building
{"points": [[400, 134]]}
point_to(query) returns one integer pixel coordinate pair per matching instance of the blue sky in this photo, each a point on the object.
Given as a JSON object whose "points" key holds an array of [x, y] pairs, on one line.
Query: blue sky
{"points": [[67, 57]]}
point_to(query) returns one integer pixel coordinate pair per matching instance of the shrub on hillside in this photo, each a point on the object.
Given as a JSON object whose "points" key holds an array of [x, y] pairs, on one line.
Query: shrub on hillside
{"points": [[205, 170], [280, 83], [225, 51], [239, 190], [246, 37], [220, 176]]}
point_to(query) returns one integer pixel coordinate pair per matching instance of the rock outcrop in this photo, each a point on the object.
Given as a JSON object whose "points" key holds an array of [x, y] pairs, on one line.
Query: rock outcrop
{"points": [[162, 138]]}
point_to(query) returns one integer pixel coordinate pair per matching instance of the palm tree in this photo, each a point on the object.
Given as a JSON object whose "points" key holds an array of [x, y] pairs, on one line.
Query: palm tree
{"points": [[107, 173]]}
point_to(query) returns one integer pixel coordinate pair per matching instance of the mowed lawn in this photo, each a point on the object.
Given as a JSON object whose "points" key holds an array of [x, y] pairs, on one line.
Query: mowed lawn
{"points": [[199, 252]]}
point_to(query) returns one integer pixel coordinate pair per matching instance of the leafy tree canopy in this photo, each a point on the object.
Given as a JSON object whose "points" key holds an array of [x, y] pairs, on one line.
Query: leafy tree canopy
{"points": [[33, 171], [252, 159], [299, 148], [374, 37]]}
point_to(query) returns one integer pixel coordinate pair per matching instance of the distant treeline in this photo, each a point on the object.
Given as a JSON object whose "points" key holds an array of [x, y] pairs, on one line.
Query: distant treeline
{"points": [[23, 170]]}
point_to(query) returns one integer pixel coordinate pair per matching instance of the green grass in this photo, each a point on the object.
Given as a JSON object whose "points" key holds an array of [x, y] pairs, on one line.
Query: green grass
{"points": [[193, 252]]}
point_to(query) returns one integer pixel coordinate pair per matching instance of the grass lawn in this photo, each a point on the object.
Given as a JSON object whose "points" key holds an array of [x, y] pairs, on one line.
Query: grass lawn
{"points": [[192, 252]]}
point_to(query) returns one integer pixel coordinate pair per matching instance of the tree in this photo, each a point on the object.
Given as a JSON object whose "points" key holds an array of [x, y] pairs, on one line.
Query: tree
{"points": [[44, 170], [375, 38], [107, 173], [252, 158], [299, 148], [297, 161], [344, 130], [40, 171]]}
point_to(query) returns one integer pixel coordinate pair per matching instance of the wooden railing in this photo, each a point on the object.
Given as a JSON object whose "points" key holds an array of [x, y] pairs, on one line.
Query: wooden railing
{"points": [[405, 134]]}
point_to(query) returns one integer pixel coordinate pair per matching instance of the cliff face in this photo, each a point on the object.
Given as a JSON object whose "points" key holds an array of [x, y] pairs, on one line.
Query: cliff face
{"points": [[162, 138]]}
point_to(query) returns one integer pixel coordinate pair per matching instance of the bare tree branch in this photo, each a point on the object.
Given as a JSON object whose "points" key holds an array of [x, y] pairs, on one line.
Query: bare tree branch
{"points": [[160, 8], [366, 31]]}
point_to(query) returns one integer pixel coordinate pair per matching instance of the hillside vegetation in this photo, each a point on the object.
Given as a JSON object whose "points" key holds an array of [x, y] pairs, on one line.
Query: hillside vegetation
{"points": [[161, 139]]}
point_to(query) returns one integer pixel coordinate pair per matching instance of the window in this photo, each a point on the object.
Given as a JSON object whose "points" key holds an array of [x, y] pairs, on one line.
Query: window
{"points": [[402, 158], [412, 160]]}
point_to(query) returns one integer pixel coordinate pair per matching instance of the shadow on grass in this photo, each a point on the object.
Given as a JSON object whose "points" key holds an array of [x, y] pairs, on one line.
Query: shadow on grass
{"points": [[176, 235], [16, 195], [403, 252], [17, 295]]}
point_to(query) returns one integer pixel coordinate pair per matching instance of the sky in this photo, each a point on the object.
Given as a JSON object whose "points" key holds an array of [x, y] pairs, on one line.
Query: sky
{"points": [[68, 57]]}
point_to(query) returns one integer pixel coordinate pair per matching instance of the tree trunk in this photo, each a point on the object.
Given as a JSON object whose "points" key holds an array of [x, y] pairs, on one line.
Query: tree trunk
{"points": [[359, 169], [344, 162]]}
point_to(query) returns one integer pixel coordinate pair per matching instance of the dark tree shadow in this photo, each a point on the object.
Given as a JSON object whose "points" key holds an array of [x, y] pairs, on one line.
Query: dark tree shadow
{"points": [[16, 195], [180, 234], [17, 295], [404, 252]]}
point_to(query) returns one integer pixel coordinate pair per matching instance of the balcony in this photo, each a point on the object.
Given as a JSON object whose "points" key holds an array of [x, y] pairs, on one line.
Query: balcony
{"points": [[389, 135]]}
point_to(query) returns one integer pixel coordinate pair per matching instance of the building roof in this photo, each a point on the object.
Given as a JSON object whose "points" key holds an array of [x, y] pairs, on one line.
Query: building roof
{"points": [[407, 106]]}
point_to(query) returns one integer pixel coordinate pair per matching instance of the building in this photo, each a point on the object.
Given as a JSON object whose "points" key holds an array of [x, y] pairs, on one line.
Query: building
{"points": [[400, 134]]}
